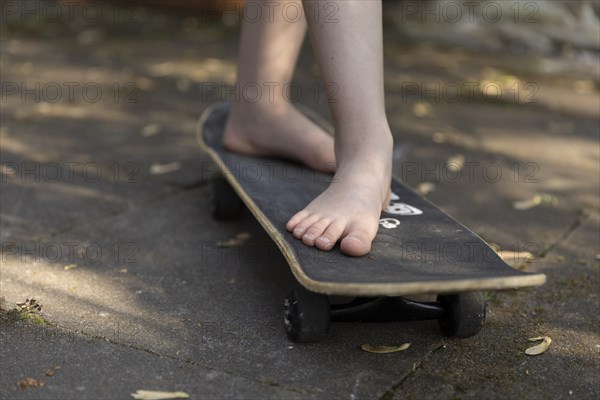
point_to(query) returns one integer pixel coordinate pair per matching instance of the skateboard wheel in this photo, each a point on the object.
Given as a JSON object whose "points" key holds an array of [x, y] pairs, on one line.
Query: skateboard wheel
{"points": [[464, 314], [226, 203], [307, 315]]}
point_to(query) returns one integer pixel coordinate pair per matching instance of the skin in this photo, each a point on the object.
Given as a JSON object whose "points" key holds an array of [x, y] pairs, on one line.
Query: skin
{"points": [[349, 53]]}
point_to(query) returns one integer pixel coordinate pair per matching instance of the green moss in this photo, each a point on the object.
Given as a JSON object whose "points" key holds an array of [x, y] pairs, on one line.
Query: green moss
{"points": [[33, 317], [12, 316]]}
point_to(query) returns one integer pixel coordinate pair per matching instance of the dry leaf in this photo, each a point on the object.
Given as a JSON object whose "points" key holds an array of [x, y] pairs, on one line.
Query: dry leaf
{"points": [[540, 348], [495, 246], [384, 349], [27, 383], [151, 130], [515, 256], [7, 170], [424, 188], [155, 395], [239, 239], [421, 109], [584, 86], [243, 236], [535, 201], [159, 169], [143, 83], [70, 266], [527, 204], [455, 163], [439, 137], [163, 69], [28, 306]]}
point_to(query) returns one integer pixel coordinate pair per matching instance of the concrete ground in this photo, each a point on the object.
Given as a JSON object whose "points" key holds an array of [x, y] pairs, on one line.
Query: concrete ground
{"points": [[105, 222]]}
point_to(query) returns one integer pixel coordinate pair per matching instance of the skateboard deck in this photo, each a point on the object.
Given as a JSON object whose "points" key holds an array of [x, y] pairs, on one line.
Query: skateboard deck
{"points": [[418, 248]]}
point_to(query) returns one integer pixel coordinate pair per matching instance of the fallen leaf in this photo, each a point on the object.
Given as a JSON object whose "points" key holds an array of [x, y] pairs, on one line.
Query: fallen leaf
{"points": [[515, 256], [535, 201], [29, 305], [70, 266], [27, 383], [143, 83], [439, 137], [540, 348], [164, 69], [495, 246], [384, 349], [239, 239], [584, 86], [151, 130], [421, 109], [527, 204], [424, 188], [159, 169], [7, 170], [455, 163], [243, 236], [156, 395]]}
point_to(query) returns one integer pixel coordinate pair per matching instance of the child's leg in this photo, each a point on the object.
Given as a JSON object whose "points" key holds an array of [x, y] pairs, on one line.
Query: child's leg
{"points": [[350, 55], [265, 125]]}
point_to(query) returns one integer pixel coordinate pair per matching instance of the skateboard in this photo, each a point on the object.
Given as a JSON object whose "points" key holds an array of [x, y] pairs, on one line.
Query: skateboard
{"points": [[418, 249]]}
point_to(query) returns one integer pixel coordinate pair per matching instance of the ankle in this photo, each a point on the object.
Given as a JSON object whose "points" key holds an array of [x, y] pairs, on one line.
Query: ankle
{"points": [[246, 111]]}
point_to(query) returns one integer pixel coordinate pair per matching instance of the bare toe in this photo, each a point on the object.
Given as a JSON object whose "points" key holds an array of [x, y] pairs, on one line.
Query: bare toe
{"points": [[356, 243], [315, 231], [295, 220], [331, 235], [303, 225]]}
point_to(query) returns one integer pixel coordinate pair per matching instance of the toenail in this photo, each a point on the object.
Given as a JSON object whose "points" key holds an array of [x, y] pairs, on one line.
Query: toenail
{"points": [[357, 240], [325, 242], [309, 236], [299, 231]]}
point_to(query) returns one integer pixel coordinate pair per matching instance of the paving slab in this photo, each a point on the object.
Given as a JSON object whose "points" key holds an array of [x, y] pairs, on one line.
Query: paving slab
{"points": [[493, 364], [73, 366]]}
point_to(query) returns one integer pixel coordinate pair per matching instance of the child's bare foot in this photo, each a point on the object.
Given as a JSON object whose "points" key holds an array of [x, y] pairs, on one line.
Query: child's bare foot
{"points": [[350, 208], [279, 129]]}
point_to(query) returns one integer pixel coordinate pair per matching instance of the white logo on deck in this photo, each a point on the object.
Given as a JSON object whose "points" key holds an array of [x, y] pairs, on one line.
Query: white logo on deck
{"points": [[389, 223], [399, 208]]}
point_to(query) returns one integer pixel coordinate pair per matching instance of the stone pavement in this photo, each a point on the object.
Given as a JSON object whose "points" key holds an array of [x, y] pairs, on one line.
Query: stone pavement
{"points": [[105, 221]]}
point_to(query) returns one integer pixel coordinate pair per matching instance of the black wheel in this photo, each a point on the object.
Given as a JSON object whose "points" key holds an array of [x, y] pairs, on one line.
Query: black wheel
{"points": [[464, 314], [225, 202], [306, 315]]}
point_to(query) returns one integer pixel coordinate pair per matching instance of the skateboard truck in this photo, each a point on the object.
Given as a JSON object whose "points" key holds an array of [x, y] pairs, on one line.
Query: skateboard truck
{"points": [[307, 315]]}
